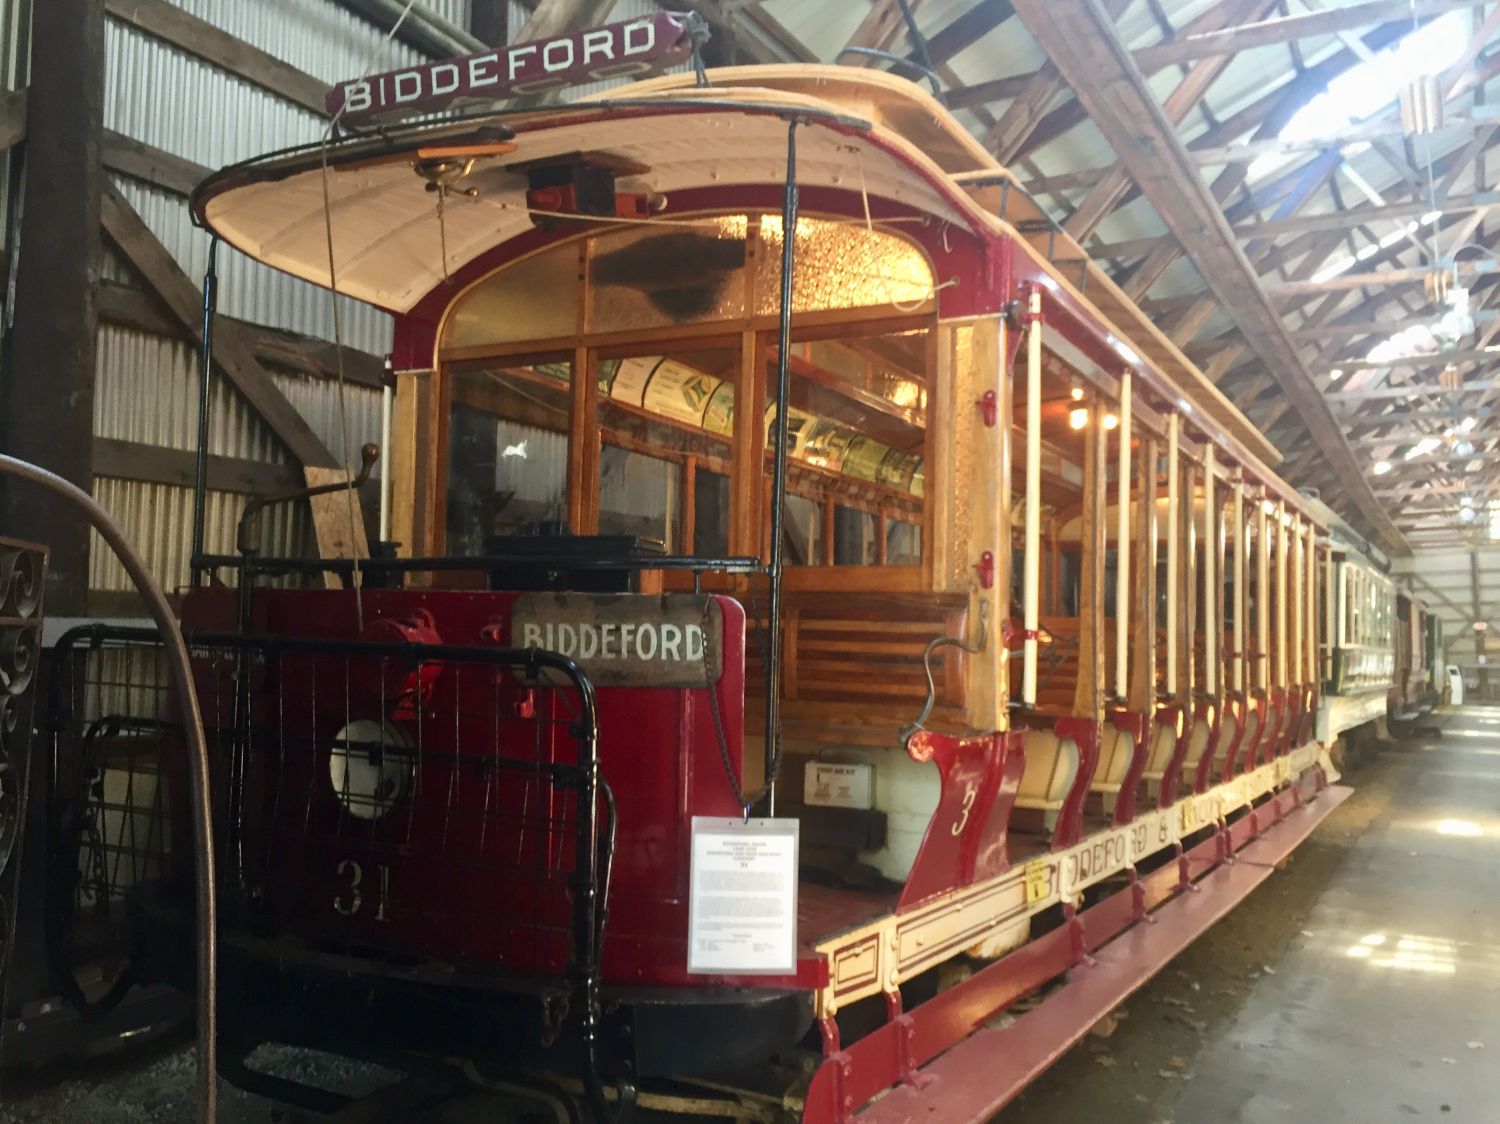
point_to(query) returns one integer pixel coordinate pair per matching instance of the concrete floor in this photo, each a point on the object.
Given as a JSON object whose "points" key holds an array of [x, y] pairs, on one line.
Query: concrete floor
{"points": [[1386, 1005], [1360, 984]]}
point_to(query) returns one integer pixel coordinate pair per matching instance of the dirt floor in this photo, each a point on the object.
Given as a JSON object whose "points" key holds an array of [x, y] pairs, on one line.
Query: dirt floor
{"points": [[1131, 1071]]}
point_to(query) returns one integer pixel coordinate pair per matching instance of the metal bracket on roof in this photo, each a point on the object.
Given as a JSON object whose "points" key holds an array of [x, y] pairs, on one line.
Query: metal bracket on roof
{"points": [[898, 62]]}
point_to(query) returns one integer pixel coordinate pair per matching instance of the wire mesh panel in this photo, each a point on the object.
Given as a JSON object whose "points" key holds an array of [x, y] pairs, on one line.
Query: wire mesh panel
{"points": [[403, 802]]}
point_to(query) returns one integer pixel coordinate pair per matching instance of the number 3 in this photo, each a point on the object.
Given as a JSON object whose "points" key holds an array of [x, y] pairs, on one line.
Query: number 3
{"points": [[351, 870], [963, 820]]}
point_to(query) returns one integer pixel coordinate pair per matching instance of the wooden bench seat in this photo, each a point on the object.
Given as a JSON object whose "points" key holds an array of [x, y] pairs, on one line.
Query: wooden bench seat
{"points": [[854, 659]]}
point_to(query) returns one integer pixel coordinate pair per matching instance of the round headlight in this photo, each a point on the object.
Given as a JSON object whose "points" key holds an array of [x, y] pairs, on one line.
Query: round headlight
{"points": [[370, 767]]}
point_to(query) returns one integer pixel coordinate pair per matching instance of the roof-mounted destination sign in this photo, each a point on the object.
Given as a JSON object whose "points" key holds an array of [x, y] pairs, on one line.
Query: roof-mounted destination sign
{"points": [[616, 50]]}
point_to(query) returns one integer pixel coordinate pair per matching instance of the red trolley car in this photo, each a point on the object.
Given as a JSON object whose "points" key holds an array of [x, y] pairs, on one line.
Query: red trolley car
{"points": [[756, 436]]}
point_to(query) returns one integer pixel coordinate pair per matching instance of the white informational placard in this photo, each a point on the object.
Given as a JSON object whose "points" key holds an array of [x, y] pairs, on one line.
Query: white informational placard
{"points": [[742, 905], [829, 784]]}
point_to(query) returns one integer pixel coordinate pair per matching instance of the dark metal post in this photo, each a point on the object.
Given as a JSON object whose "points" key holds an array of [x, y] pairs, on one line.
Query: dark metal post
{"points": [[778, 470], [205, 376]]}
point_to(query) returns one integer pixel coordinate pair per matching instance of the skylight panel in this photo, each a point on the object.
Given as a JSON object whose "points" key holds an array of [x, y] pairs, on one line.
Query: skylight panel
{"points": [[1370, 86]]}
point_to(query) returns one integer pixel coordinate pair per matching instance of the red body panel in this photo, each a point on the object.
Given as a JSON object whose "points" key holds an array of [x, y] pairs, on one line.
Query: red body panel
{"points": [[658, 752]]}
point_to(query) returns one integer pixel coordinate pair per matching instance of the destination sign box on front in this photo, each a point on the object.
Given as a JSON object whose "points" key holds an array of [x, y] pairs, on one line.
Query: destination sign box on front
{"points": [[616, 50], [626, 640]]}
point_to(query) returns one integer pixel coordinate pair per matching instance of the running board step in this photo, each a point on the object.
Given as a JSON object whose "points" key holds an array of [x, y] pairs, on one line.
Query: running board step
{"points": [[984, 1072]]}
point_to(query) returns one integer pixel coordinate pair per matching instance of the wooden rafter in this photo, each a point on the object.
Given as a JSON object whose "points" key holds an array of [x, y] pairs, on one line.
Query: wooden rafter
{"points": [[171, 24], [1084, 45], [128, 233], [1289, 29]]}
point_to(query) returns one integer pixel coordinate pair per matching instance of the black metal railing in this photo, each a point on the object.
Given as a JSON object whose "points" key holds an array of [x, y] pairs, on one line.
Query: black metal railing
{"points": [[385, 801]]}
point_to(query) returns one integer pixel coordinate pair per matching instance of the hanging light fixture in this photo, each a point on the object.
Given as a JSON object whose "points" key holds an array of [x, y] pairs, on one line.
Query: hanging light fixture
{"points": [[1421, 106]]}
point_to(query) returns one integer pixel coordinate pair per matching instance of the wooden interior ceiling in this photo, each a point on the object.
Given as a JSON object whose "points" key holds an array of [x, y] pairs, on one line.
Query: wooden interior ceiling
{"points": [[1275, 249]]}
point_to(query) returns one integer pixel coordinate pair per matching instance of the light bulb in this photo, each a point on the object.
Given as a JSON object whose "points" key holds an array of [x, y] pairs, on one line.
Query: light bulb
{"points": [[1078, 418]]}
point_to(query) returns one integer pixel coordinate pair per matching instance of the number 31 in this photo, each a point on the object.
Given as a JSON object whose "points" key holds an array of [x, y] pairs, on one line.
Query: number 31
{"points": [[348, 901]]}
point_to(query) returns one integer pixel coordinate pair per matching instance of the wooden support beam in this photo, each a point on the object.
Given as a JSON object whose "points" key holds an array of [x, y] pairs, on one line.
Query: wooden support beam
{"points": [[982, 93], [1216, 368], [130, 460], [1185, 326], [1383, 129], [183, 301], [976, 21], [489, 21], [1008, 135], [1344, 397], [1107, 193], [1439, 359], [1412, 436], [559, 17], [1359, 216], [882, 29], [186, 32], [418, 33], [1345, 329], [1467, 268], [1405, 417], [1083, 43], [152, 165], [1149, 272], [47, 394], [135, 308], [1288, 29]]}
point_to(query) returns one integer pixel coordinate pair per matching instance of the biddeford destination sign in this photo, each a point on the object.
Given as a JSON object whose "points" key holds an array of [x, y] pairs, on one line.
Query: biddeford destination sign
{"points": [[615, 50]]}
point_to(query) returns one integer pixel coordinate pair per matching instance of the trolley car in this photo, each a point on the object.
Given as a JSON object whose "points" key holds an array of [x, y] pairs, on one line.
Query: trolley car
{"points": [[755, 436]]}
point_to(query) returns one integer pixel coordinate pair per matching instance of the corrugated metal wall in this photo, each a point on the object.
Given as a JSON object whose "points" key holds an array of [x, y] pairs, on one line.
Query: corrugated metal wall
{"points": [[1461, 586], [147, 385]]}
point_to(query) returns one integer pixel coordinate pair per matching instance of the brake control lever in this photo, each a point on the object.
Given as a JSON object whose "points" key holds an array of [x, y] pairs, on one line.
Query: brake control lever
{"points": [[244, 534]]}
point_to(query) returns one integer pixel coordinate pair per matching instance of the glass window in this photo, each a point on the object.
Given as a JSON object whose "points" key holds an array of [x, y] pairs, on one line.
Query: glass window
{"points": [[840, 265], [649, 278], [802, 531], [507, 453], [535, 299], [856, 427], [853, 537], [710, 514], [639, 495], [903, 543]]}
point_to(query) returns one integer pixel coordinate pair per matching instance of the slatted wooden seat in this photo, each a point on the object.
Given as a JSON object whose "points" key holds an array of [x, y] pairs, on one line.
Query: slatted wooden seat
{"points": [[852, 662], [1057, 668]]}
